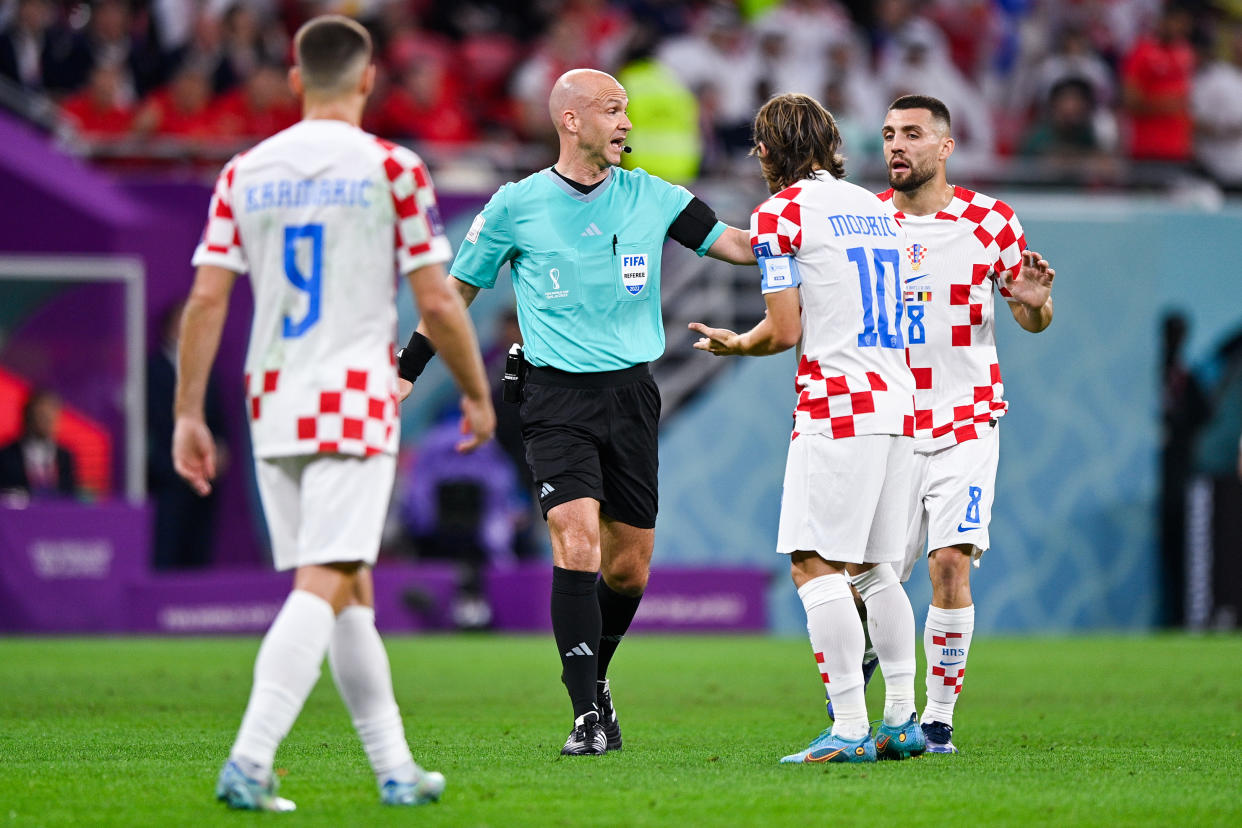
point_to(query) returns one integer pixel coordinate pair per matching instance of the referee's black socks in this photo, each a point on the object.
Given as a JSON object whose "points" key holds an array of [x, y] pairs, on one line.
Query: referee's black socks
{"points": [[576, 626], [616, 613]]}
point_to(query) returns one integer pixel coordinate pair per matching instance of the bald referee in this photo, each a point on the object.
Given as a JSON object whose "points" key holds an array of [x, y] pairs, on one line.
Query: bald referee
{"points": [[583, 240]]}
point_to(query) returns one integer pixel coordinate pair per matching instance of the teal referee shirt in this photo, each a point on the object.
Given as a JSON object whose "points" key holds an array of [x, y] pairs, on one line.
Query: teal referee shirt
{"points": [[585, 266]]}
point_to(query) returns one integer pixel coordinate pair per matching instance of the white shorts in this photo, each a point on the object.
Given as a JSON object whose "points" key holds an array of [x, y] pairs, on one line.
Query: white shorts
{"points": [[325, 508], [846, 499], [951, 501]]}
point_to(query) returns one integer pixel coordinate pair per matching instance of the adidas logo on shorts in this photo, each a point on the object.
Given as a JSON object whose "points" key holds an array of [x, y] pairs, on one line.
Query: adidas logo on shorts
{"points": [[545, 490]]}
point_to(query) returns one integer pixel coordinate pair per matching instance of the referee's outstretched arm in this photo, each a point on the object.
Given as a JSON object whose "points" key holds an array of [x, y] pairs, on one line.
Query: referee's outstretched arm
{"points": [[733, 246]]}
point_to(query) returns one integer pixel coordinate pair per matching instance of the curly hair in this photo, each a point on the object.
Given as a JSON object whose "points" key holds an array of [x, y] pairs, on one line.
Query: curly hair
{"points": [[799, 137]]}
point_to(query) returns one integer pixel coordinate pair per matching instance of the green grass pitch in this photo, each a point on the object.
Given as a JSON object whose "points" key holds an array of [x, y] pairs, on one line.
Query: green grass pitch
{"points": [[1054, 731]]}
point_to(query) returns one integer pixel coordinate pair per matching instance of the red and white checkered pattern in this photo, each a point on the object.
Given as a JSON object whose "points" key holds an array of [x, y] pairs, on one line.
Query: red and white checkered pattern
{"points": [[414, 200], [831, 398], [358, 418], [221, 238], [844, 389], [972, 249], [778, 221], [951, 676], [320, 369], [823, 668]]}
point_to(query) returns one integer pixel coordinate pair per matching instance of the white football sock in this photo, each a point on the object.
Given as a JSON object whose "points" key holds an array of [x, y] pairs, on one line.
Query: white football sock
{"points": [[360, 668], [890, 622], [285, 672], [946, 639], [837, 639]]}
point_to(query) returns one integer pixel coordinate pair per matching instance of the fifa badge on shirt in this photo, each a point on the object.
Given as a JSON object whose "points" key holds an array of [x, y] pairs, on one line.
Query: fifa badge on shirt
{"points": [[917, 253], [476, 227], [634, 272]]}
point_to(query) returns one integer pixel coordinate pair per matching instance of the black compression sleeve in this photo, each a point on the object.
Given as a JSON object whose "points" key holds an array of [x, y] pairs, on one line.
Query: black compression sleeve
{"points": [[413, 358], [691, 227]]}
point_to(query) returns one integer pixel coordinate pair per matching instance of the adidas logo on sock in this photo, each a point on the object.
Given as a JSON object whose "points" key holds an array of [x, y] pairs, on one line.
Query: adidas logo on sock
{"points": [[592, 230], [546, 489], [580, 649]]}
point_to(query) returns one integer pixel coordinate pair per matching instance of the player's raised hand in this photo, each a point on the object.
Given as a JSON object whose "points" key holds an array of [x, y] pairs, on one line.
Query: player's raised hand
{"points": [[1033, 284], [719, 341], [194, 453], [478, 422], [404, 388]]}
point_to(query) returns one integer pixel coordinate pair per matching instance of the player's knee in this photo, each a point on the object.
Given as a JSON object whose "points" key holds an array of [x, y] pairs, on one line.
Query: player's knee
{"points": [[950, 571], [627, 578]]}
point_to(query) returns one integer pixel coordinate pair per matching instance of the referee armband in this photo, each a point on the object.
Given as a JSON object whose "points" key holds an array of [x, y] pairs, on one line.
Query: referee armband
{"points": [[778, 272], [692, 224]]}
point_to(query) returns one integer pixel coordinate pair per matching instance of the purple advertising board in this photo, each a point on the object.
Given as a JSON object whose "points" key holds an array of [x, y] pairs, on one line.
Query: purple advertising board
{"points": [[74, 568], [64, 567]]}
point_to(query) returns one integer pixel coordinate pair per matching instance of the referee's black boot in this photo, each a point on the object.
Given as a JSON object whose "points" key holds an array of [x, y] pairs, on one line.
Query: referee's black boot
{"points": [[587, 738], [608, 715]]}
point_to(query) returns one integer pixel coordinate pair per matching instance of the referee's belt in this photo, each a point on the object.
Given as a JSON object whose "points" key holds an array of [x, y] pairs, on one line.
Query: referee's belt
{"points": [[544, 375]]}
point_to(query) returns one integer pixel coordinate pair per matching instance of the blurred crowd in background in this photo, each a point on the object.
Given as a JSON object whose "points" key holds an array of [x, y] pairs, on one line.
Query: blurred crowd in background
{"points": [[1082, 84]]}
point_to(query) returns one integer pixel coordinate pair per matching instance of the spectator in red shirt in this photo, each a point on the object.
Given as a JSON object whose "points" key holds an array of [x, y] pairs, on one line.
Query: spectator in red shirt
{"points": [[181, 109], [263, 106], [100, 111], [1156, 92], [424, 104]]}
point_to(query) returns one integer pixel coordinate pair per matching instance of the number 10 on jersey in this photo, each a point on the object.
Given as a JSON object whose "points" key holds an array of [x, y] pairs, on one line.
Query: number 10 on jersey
{"points": [[880, 326]]}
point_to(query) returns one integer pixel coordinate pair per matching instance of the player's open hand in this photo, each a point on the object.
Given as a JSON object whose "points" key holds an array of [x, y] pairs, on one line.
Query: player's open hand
{"points": [[478, 423], [1033, 284], [404, 388], [194, 453], [719, 341]]}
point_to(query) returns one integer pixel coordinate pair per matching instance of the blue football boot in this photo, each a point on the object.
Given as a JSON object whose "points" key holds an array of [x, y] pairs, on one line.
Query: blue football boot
{"points": [[828, 748], [239, 791], [900, 742]]}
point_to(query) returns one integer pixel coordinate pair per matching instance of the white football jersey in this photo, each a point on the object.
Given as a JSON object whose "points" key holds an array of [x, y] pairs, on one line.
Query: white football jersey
{"points": [[323, 215], [840, 246], [958, 258]]}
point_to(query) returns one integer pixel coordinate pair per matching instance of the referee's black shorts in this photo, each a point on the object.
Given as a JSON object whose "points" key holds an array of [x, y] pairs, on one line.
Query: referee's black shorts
{"points": [[594, 435]]}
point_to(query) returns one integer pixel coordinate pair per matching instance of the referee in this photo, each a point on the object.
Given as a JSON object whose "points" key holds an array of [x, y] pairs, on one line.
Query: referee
{"points": [[583, 240]]}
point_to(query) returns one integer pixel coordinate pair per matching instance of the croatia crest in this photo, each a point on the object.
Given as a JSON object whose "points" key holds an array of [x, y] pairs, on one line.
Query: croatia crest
{"points": [[917, 253]]}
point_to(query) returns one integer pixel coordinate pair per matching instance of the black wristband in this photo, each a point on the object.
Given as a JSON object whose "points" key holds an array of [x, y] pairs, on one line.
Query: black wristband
{"points": [[413, 358]]}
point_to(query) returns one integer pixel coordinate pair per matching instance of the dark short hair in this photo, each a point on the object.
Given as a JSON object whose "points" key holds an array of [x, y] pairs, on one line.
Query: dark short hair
{"points": [[800, 137], [935, 106], [37, 397], [327, 47]]}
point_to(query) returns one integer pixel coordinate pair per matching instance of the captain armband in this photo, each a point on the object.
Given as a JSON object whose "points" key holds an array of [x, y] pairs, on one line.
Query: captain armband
{"points": [[778, 272]]}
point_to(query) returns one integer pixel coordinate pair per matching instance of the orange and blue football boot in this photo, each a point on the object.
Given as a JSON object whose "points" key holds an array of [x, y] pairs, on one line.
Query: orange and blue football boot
{"points": [[828, 748]]}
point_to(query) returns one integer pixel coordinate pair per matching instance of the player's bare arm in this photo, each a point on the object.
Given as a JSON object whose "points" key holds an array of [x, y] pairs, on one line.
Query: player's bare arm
{"points": [[1032, 288], [779, 330], [193, 448], [732, 246], [467, 292], [447, 324]]}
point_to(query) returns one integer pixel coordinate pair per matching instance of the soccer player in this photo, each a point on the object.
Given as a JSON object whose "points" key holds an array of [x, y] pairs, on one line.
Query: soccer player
{"points": [[830, 258], [583, 239], [963, 248], [319, 214]]}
